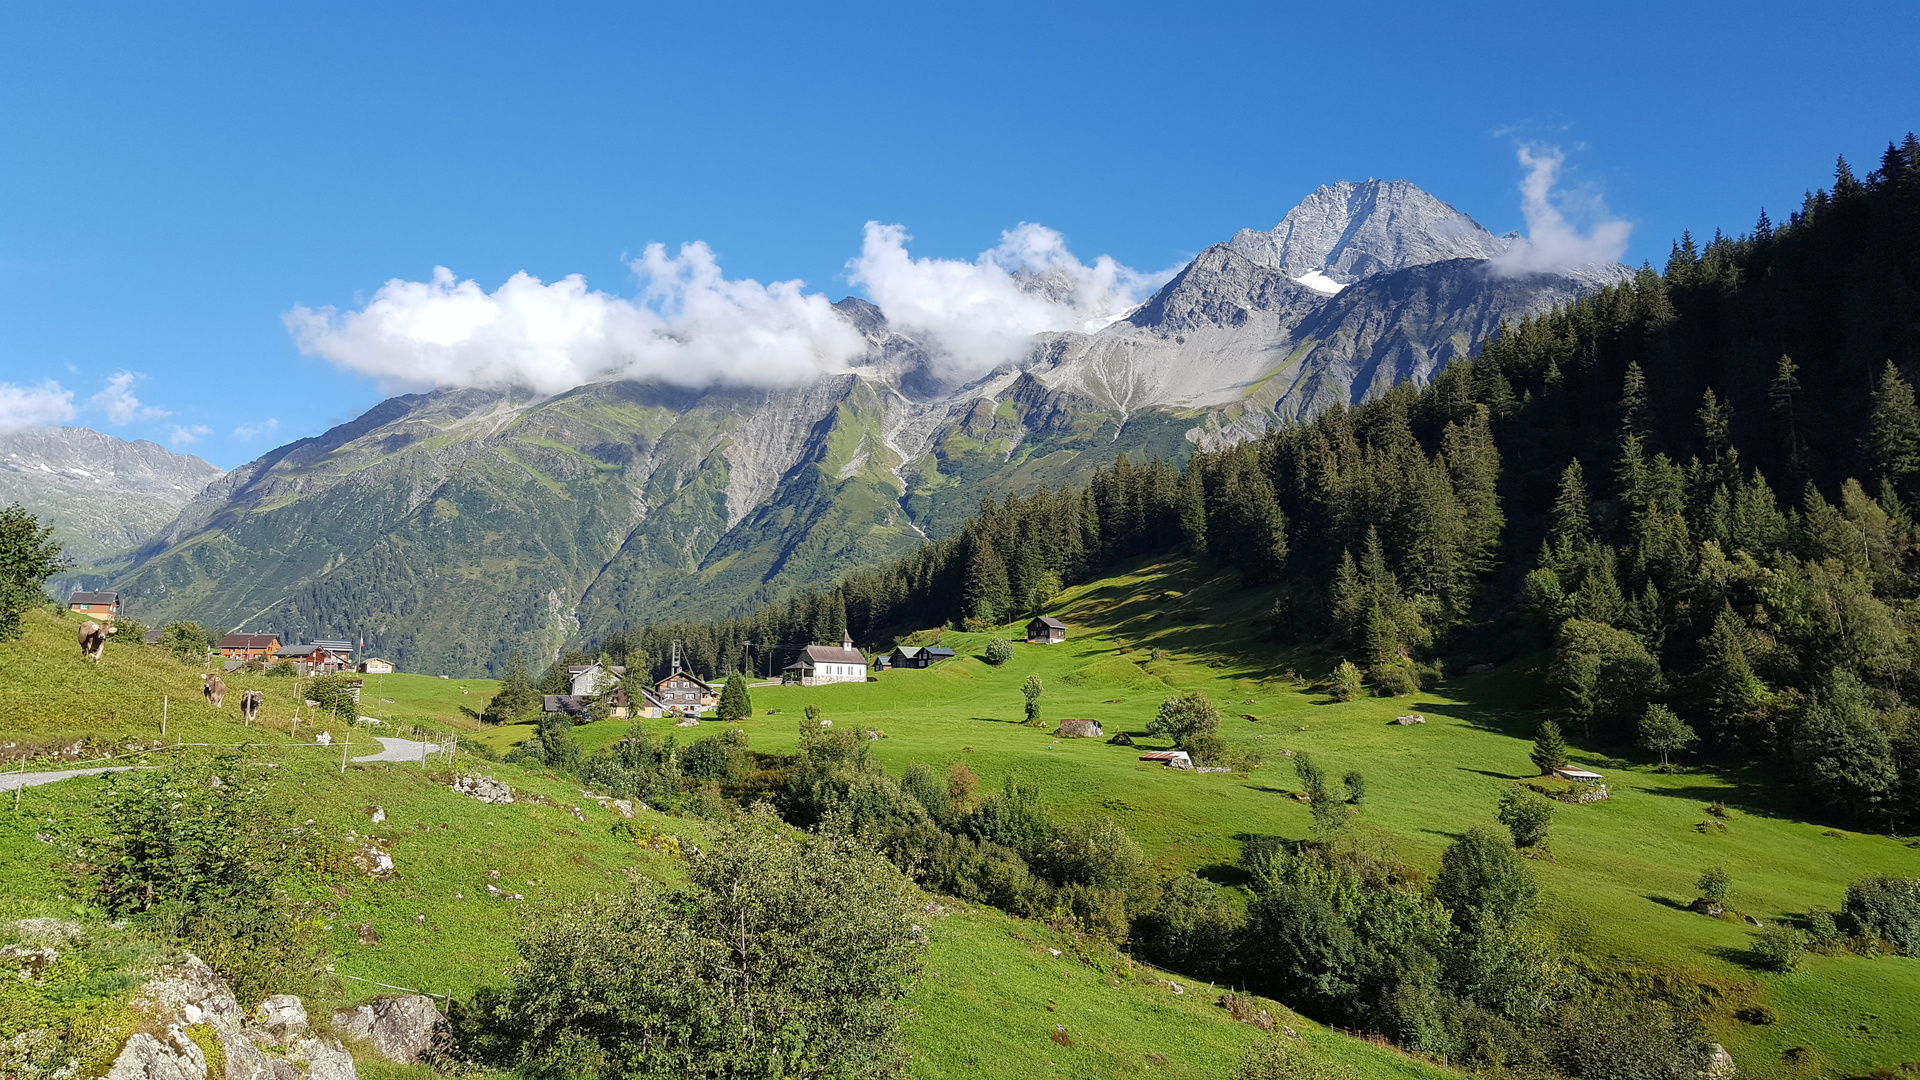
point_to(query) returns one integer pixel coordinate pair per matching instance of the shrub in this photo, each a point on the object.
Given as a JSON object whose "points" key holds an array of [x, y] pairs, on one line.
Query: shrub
{"points": [[1096, 852], [281, 669], [1480, 873], [1206, 748], [187, 641], [334, 696], [999, 651], [1185, 717], [817, 932], [1396, 680], [1032, 691], [716, 757], [1527, 815], [932, 795], [1345, 682], [1779, 948], [1823, 930], [1356, 785], [1715, 884], [1887, 908], [1193, 928]]}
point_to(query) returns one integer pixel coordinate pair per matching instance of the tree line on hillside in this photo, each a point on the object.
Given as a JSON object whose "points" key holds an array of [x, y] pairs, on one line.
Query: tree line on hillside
{"points": [[1701, 483]]}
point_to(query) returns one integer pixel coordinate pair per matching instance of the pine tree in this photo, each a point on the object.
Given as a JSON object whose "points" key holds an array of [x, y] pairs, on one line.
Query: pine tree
{"points": [[736, 702], [1636, 418], [1730, 691], [986, 594], [1572, 517], [1893, 429], [1347, 599], [1193, 507], [516, 696], [1782, 392], [1383, 641], [1549, 748]]}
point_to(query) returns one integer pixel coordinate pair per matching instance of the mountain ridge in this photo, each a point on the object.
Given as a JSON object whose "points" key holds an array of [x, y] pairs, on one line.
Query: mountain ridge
{"points": [[455, 526]]}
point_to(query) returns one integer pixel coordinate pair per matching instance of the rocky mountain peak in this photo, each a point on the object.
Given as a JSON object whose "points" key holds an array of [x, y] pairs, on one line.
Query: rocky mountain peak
{"points": [[1347, 231]]}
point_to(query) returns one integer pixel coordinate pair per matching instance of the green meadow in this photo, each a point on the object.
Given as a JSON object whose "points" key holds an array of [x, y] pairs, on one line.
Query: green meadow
{"points": [[1617, 880]]}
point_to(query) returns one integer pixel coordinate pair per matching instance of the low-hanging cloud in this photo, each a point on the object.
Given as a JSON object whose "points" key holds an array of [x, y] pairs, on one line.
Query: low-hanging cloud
{"points": [[184, 435], [1552, 242], [33, 406], [984, 313], [117, 401], [689, 326]]}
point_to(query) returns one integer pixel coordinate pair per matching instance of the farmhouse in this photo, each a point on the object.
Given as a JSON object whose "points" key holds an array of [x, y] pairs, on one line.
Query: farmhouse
{"points": [[1045, 631], [822, 664], [918, 656], [649, 704], [316, 658], [686, 693], [595, 677], [104, 606], [373, 665], [249, 646]]}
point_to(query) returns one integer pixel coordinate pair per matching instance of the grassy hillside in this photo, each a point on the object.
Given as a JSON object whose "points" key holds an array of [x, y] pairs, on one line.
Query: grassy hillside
{"points": [[988, 1006], [1617, 882], [1621, 872]]}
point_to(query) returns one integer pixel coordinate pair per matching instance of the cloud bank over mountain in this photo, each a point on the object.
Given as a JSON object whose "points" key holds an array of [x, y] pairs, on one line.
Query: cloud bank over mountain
{"points": [[691, 325], [1553, 243], [32, 406]]}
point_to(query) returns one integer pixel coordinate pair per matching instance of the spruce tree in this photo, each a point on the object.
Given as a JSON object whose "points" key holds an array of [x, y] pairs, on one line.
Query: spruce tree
{"points": [[1893, 429], [1729, 689], [1549, 748], [985, 595], [736, 703], [1636, 418]]}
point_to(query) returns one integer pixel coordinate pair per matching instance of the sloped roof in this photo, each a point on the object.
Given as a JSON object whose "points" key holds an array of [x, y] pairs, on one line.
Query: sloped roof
{"points": [[1055, 624], [833, 654], [94, 598], [688, 675], [248, 641], [939, 652]]}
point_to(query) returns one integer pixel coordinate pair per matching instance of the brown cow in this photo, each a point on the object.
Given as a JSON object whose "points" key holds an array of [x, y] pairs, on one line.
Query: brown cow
{"points": [[215, 688], [250, 703], [93, 639]]}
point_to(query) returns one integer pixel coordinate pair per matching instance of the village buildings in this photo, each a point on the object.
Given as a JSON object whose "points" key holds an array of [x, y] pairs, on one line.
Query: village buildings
{"points": [[249, 646], [318, 657], [684, 692], [822, 664], [918, 656]]}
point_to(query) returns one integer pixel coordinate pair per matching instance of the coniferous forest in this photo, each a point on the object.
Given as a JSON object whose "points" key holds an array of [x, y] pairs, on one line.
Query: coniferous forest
{"points": [[1701, 485]]}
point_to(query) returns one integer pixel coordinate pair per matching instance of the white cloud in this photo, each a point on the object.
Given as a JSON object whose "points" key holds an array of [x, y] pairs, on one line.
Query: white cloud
{"points": [[32, 406], [117, 401], [1552, 242], [182, 436], [985, 312], [690, 326], [249, 432]]}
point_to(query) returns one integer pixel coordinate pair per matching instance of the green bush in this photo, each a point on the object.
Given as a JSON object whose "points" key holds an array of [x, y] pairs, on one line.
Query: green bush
{"points": [[1276, 1059], [281, 669], [1887, 908], [1823, 930], [817, 933], [1396, 680], [1481, 873], [999, 651], [1345, 682], [334, 695], [1096, 852], [1527, 815], [1715, 884], [1779, 947], [1186, 717], [1193, 928]]}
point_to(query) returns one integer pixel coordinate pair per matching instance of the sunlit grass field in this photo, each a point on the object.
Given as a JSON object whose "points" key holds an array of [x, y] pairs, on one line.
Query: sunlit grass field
{"points": [[1617, 882]]}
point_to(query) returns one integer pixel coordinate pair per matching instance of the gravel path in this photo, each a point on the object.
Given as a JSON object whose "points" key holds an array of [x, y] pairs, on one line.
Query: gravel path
{"points": [[399, 750], [12, 780]]}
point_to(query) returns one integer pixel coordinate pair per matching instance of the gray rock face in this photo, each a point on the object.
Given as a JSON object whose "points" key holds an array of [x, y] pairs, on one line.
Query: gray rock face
{"points": [[401, 1029], [1348, 231], [102, 495], [193, 994]]}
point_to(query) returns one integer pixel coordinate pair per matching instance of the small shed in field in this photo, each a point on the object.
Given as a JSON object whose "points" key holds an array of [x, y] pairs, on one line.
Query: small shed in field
{"points": [[1172, 759], [1579, 776], [1045, 631]]}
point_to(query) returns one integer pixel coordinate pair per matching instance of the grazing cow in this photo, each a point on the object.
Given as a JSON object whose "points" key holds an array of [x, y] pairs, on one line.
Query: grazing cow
{"points": [[215, 688], [93, 639], [250, 703]]}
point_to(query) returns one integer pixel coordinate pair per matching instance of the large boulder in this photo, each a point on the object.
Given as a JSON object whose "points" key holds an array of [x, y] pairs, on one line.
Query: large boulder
{"points": [[193, 996], [1079, 729], [401, 1028]]}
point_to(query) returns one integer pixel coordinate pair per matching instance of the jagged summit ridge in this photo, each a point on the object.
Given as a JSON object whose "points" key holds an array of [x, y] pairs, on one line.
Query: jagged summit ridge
{"points": [[1347, 231]]}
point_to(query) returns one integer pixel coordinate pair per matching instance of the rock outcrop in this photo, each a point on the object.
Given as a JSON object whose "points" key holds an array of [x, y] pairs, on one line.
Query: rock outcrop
{"points": [[402, 1029], [186, 1011]]}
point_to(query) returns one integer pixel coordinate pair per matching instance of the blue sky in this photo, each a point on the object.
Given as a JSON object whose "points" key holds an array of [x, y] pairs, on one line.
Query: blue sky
{"points": [[175, 179]]}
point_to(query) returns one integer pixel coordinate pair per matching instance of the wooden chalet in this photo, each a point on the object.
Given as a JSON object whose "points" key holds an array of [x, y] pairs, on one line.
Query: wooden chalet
{"points": [[685, 692], [374, 665], [918, 656], [315, 658], [101, 606], [249, 646], [1045, 631]]}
